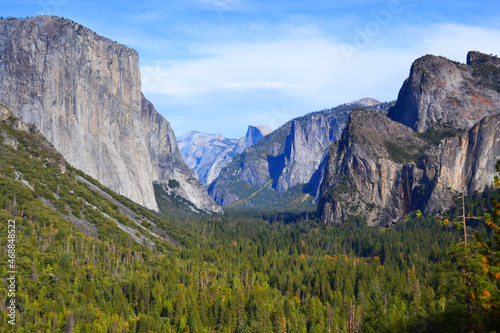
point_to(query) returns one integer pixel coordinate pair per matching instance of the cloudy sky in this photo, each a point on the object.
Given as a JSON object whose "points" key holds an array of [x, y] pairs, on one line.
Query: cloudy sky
{"points": [[217, 66]]}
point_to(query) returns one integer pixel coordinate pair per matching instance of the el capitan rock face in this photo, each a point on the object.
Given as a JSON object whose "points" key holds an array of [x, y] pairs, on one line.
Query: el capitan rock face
{"points": [[443, 93], [83, 92], [381, 169]]}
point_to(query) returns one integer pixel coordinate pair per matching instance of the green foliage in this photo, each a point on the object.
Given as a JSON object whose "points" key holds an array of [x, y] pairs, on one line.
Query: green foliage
{"points": [[469, 290], [402, 152], [245, 274], [490, 249], [488, 76], [172, 183], [270, 272], [434, 135], [473, 275], [269, 200]]}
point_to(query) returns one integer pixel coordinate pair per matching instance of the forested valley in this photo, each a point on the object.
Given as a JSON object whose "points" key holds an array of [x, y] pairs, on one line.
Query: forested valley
{"points": [[268, 272]]}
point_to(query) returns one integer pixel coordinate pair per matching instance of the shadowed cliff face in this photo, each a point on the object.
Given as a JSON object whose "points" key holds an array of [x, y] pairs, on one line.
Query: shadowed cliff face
{"points": [[446, 94], [382, 170], [167, 162], [365, 168], [83, 92]]}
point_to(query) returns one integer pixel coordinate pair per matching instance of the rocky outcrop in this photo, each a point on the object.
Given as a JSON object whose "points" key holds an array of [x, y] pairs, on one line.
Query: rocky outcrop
{"points": [[478, 60], [385, 173], [304, 149], [284, 160], [364, 173], [83, 93], [381, 169], [207, 154], [446, 94]]}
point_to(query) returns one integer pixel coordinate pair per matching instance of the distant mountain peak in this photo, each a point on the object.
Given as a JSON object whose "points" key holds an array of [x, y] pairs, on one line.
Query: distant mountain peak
{"points": [[263, 129], [206, 154], [366, 102], [254, 134]]}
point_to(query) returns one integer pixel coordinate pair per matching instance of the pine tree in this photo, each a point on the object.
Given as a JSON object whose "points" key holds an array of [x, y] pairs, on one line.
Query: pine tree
{"points": [[180, 306], [473, 284]]}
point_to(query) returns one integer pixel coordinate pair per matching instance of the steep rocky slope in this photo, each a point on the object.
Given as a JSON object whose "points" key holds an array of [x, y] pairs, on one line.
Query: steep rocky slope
{"points": [[382, 170], [206, 154], [31, 169], [83, 92], [284, 167]]}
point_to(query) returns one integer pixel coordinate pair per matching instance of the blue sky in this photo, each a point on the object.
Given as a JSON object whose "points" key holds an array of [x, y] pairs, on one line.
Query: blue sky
{"points": [[218, 66]]}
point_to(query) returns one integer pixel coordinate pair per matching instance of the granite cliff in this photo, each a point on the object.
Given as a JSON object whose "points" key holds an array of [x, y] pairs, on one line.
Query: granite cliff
{"points": [[206, 154], [431, 149], [446, 94], [83, 92]]}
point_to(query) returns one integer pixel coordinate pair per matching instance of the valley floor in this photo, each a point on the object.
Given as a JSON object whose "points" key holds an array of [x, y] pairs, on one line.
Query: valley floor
{"points": [[244, 274]]}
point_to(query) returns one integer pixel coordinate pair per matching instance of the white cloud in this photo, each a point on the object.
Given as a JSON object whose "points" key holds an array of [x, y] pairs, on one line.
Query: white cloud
{"points": [[306, 64], [454, 41], [283, 65], [311, 70], [314, 69]]}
